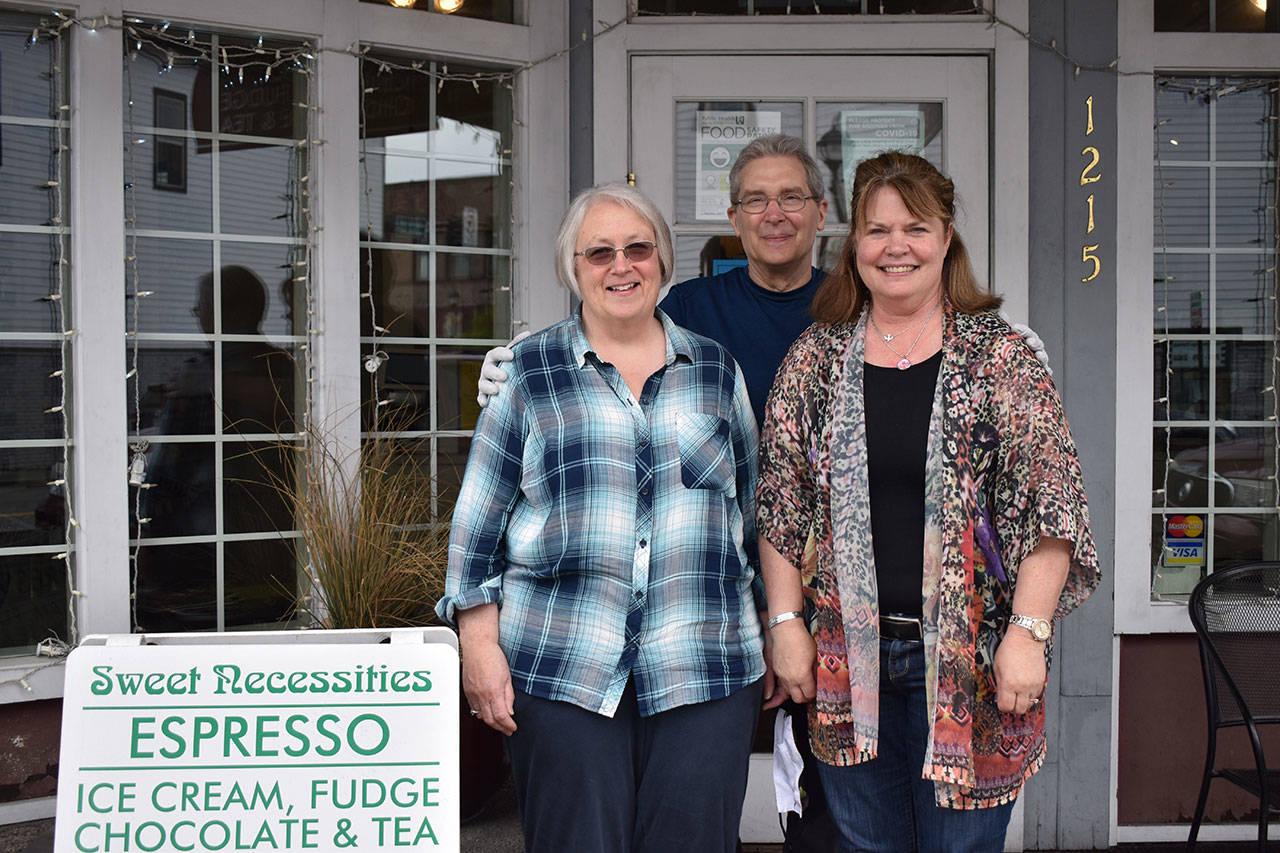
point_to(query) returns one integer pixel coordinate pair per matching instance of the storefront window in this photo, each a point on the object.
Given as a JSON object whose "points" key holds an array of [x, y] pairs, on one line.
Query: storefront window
{"points": [[35, 352], [436, 249], [1215, 493], [489, 10], [808, 7], [217, 213], [1215, 16]]}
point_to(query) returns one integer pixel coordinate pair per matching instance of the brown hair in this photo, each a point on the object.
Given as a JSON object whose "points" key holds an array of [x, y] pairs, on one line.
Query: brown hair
{"points": [[927, 193]]}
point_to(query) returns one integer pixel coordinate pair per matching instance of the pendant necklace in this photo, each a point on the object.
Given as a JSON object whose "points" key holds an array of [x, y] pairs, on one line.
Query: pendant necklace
{"points": [[904, 360]]}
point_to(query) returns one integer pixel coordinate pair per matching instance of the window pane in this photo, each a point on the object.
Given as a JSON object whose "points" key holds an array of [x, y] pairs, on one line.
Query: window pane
{"points": [[1188, 384], [699, 255], [177, 388], [162, 204], [29, 273], [1241, 538], [473, 296], [472, 204], [1182, 206], [177, 587], [1243, 287], [260, 387], [261, 579], [1182, 289], [1243, 132], [274, 266], [26, 89], [257, 194], [258, 482], [1245, 459], [401, 293], [31, 511], [29, 366], [24, 200], [171, 271], [1187, 483], [404, 382], [478, 116], [1246, 207], [1183, 131], [180, 501], [1244, 369], [457, 372], [254, 106], [33, 601]]}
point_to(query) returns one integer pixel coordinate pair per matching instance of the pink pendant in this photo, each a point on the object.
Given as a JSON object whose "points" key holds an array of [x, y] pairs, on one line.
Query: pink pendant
{"points": [[904, 364]]}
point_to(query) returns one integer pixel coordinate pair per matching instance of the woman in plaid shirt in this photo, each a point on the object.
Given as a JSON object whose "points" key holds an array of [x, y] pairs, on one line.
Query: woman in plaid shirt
{"points": [[602, 563]]}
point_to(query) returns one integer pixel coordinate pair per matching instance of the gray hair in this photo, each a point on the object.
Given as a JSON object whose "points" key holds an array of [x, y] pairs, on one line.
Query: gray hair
{"points": [[776, 145], [624, 196]]}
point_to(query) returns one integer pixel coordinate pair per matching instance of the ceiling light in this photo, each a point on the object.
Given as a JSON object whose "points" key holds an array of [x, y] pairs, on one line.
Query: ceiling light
{"points": [[403, 4], [451, 6]]}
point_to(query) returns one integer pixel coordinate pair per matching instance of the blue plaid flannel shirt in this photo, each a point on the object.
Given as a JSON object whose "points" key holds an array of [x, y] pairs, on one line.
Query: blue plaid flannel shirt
{"points": [[617, 535]]}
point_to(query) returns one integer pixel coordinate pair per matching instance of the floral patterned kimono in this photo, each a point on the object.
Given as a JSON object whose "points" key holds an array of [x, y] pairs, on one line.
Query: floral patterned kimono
{"points": [[1000, 472]]}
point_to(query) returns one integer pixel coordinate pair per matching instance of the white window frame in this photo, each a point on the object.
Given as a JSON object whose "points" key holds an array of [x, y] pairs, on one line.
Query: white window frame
{"points": [[1145, 51], [96, 205]]}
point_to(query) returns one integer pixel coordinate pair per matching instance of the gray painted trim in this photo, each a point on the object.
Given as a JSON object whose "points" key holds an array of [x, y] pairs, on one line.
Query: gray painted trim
{"points": [[1077, 320]]}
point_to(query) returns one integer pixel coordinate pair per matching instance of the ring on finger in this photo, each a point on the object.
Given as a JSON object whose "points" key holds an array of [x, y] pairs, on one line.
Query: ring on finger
{"points": [[474, 712]]}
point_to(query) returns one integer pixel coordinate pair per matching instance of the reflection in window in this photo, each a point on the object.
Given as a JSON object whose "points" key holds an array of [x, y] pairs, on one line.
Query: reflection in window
{"points": [[489, 10], [820, 7], [1214, 484], [35, 354], [435, 245], [216, 284], [1216, 16]]}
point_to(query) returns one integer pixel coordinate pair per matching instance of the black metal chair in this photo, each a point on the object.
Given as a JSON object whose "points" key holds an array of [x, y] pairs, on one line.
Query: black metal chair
{"points": [[1236, 614]]}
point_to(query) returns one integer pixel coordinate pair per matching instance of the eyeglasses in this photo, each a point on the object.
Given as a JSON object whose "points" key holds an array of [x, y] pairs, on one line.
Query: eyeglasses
{"points": [[603, 255], [789, 202]]}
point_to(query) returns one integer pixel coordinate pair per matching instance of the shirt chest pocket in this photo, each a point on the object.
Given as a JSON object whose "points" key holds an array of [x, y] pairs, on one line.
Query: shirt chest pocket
{"points": [[706, 453]]}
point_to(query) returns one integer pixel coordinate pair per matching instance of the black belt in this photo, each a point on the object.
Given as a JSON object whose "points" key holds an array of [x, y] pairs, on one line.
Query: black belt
{"points": [[895, 626]]}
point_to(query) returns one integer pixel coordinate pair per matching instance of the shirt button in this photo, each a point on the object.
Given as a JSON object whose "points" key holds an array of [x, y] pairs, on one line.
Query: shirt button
{"points": [[644, 543], [644, 493]]}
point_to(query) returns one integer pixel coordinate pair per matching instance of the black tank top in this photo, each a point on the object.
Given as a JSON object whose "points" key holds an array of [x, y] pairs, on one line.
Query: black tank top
{"points": [[898, 405]]}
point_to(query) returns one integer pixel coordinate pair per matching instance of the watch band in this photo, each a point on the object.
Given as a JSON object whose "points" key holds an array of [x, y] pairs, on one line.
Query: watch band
{"points": [[1039, 628]]}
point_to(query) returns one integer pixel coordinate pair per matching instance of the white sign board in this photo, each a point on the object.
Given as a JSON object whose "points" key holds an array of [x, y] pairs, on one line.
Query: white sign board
{"points": [[721, 135], [290, 741]]}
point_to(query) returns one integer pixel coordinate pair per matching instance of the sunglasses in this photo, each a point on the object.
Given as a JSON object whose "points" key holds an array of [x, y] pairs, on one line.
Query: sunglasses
{"points": [[603, 255]]}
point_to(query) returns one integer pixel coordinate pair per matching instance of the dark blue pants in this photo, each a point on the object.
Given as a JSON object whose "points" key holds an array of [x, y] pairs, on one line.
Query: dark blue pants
{"points": [[631, 784], [883, 805]]}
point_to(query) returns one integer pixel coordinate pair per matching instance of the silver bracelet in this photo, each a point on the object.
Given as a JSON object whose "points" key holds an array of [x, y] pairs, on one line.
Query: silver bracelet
{"points": [[784, 617]]}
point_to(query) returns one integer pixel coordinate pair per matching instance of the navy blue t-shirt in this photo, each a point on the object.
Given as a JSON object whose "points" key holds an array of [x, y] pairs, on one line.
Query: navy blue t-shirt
{"points": [[755, 324]]}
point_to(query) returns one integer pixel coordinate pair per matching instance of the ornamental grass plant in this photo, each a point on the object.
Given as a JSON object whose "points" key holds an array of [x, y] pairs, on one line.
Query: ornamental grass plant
{"points": [[372, 535]]}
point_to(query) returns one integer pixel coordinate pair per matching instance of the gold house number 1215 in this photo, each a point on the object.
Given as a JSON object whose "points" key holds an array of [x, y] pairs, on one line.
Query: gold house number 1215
{"points": [[1088, 175]]}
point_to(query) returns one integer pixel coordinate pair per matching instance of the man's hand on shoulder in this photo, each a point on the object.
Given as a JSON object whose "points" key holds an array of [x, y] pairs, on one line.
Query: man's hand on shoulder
{"points": [[492, 374]]}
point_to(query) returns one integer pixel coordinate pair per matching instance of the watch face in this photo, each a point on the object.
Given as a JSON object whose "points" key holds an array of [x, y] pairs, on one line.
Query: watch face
{"points": [[1041, 629]]}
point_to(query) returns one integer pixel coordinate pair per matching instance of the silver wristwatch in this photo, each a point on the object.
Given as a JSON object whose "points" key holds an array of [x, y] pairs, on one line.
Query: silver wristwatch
{"points": [[1039, 628]]}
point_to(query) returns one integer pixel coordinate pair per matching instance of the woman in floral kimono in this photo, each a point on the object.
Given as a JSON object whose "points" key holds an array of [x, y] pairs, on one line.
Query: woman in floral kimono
{"points": [[923, 522]]}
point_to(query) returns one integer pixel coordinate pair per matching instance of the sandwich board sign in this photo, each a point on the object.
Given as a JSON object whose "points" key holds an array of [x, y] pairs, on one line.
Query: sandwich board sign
{"points": [[261, 741]]}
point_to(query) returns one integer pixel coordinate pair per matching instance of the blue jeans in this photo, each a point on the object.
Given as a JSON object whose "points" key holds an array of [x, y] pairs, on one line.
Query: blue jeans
{"points": [[883, 805]]}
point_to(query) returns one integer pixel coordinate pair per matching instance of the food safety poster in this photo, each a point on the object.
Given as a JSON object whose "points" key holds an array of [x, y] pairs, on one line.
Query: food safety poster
{"points": [[721, 135]]}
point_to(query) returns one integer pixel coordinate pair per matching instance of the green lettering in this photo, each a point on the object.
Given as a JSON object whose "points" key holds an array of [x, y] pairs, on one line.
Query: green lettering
{"points": [[139, 735], [304, 743], [169, 726], [334, 741], [100, 686]]}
